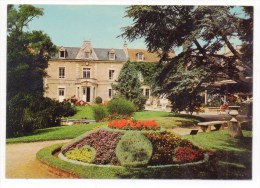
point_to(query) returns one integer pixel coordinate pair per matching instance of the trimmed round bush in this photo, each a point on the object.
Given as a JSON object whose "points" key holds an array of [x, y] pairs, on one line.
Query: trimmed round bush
{"points": [[98, 100], [134, 150], [121, 106], [85, 154], [99, 111]]}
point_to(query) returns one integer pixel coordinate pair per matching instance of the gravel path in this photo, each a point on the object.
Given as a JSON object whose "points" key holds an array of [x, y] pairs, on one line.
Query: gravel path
{"points": [[21, 161]]}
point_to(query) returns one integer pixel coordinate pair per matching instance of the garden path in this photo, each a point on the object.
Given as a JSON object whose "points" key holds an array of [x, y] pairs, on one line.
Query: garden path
{"points": [[21, 161]]}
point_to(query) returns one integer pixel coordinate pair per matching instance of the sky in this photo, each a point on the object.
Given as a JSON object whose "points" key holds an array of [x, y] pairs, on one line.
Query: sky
{"points": [[70, 25]]}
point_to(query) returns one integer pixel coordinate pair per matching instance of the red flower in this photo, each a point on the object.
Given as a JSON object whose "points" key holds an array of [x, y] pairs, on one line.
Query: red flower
{"points": [[130, 124]]}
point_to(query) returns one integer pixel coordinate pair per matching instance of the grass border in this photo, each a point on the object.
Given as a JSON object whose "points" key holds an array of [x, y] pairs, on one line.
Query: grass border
{"points": [[177, 171]]}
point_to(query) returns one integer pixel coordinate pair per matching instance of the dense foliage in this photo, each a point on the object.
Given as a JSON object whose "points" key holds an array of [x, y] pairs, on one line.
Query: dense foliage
{"points": [[98, 100], [201, 32], [99, 112], [148, 70], [27, 113], [27, 58], [121, 106], [134, 150], [129, 86]]}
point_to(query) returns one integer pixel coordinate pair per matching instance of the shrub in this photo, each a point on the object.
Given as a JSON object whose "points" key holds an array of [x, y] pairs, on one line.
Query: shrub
{"points": [[85, 154], [26, 113], [187, 155], [134, 150], [133, 125], [164, 144], [139, 102], [111, 117], [121, 106], [99, 111], [98, 100], [104, 142]]}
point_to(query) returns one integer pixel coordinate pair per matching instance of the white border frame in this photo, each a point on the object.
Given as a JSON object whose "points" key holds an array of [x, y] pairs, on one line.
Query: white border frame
{"points": [[43, 183]]}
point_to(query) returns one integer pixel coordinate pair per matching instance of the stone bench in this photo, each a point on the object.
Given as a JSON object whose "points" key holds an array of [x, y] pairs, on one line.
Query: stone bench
{"points": [[206, 126]]}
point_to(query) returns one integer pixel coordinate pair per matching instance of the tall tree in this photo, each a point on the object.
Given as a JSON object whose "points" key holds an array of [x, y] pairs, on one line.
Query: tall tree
{"points": [[27, 52], [202, 31], [128, 85], [27, 58]]}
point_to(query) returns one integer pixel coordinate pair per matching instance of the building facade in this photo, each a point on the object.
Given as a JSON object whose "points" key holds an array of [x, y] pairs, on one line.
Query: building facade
{"points": [[85, 72]]}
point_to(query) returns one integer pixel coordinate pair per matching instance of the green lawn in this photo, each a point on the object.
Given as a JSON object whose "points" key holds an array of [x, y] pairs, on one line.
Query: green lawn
{"points": [[165, 119], [83, 112], [68, 132], [56, 133], [233, 156], [150, 115]]}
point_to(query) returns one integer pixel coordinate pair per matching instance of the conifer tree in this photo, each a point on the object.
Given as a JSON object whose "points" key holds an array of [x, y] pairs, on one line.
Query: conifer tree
{"points": [[128, 85]]}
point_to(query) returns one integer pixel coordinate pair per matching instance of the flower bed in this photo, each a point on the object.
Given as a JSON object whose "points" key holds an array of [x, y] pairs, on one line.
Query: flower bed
{"points": [[133, 125], [134, 148], [187, 155], [104, 142]]}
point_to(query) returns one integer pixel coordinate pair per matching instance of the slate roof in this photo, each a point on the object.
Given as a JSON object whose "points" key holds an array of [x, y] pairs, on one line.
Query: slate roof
{"points": [[102, 54], [71, 53]]}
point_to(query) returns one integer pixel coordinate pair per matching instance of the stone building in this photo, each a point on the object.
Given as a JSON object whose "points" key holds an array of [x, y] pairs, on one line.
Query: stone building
{"points": [[86, 72]]}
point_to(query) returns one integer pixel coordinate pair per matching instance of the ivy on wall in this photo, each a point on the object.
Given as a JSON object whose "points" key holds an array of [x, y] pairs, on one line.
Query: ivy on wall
{"points": [[148, 70]]}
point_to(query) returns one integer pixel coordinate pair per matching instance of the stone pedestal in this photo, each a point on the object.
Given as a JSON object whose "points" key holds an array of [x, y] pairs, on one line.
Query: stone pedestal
{"points": [[234, 128]]}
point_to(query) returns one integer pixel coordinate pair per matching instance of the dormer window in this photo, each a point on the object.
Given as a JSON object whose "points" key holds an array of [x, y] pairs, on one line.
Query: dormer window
{"points": [[87, 55], [112, 55], [62, 53], [140, 56]]}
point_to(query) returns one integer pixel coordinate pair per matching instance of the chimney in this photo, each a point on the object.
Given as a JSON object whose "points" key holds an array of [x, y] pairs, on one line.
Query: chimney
{"points": [[87, 43], [126, 50]]}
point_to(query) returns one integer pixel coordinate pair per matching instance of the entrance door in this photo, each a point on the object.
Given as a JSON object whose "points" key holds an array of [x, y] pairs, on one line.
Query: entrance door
{"points": [[61, 93], [86, 94]]}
